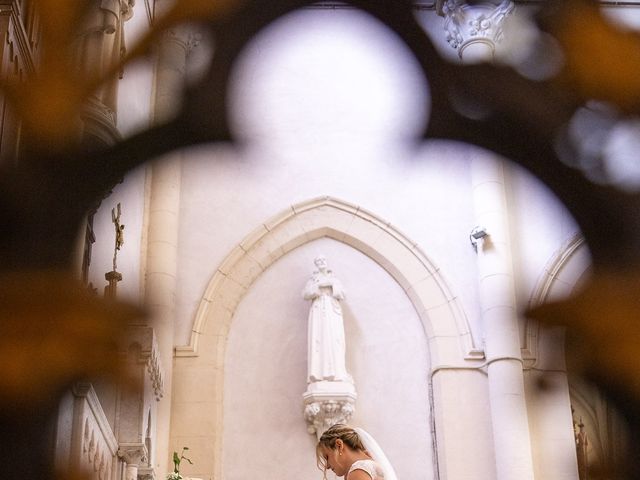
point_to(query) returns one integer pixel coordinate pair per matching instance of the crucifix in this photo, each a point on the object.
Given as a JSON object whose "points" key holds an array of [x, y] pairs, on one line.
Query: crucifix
{"points": [[113, 277], [115, 218]]}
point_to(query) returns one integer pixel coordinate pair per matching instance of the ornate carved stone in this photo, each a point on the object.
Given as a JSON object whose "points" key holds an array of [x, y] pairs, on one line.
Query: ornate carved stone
{"points": [[146, 473], [138, 401], [480, 22], [154, 369], [327, 403], [321, 412], [93, 444], [133, 453]]}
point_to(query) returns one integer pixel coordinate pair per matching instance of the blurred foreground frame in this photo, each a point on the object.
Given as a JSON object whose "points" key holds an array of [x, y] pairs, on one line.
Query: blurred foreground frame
{"points": [[56, 171]]}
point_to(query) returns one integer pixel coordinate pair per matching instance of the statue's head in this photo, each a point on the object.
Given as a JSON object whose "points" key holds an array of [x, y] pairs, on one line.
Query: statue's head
{"points": [[321, 262]]}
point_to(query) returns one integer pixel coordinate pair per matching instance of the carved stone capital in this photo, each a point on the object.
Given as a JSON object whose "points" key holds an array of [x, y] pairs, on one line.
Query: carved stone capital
{"points": [[133, 453], [146, 473], [184, 37], [327, 403], [480, 22]]}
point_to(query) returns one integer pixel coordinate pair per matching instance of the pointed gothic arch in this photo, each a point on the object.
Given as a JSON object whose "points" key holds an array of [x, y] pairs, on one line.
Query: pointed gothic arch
{"points": [[439, 309], [198, 385], [544, 357], [560, 276]]}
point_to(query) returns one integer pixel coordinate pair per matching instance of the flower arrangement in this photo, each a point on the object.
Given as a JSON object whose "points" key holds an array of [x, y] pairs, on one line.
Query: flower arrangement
{"points": [[177, 459]]}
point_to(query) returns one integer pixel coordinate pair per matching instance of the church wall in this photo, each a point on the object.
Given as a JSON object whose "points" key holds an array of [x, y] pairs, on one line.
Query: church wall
{"points": [[306, 134], [464, 438], [540, 228], [134, 113], [548, 377], [550, 423], [291, 153], [267, 351], [130, 194], [312, 128]]}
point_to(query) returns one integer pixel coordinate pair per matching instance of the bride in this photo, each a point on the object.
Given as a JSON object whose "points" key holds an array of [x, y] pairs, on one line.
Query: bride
{"points": [[352, 453]]}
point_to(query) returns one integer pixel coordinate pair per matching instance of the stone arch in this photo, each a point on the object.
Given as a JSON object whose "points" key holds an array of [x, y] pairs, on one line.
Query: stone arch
{"points": [[560, 276], [198, 374], [563, 274], [438, 308], [552, 437]]}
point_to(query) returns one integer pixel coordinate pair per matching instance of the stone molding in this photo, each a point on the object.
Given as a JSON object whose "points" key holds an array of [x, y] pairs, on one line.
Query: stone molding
{"points": [[84, 390], [94, 440], [547, 283], [479, 22], [438, 308], [560, 276]]}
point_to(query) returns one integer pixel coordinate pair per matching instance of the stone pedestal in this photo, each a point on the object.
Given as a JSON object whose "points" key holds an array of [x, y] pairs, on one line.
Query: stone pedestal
{"points": [[111, 290], [327, 403]]}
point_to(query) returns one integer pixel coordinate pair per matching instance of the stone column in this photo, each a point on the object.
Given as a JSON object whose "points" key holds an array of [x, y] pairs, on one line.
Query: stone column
{"points": [[163, 225], [133, 456], [474, 31], [511, 436]]}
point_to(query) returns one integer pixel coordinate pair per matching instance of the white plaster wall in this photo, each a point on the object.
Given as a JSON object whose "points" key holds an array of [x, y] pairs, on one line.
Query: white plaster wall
{"points": [[464, 427], [325, 103], [266, 366], [325, 108], [130, 194], [550, 424], [540, 228]]}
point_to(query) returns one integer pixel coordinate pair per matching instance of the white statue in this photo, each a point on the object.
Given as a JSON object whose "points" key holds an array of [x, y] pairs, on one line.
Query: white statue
{"points": [[101, 44], [326, 355]]}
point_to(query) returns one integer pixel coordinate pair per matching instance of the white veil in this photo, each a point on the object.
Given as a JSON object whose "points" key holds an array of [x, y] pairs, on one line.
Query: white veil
{"points": [[377, 454]]}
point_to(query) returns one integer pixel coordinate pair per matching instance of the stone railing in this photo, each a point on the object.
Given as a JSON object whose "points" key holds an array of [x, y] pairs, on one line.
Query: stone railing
{"points": [[93, 445]]}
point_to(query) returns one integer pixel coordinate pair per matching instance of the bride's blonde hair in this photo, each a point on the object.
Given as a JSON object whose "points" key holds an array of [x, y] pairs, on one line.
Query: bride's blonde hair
{"points": [[328, 441]]}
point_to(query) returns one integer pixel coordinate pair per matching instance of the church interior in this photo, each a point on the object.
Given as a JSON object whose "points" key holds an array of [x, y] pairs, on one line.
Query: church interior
{"points": [[231, 224]]}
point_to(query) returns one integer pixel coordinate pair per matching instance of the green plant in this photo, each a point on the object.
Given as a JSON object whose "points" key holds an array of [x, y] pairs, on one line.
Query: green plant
{"points": [[177, 459]]}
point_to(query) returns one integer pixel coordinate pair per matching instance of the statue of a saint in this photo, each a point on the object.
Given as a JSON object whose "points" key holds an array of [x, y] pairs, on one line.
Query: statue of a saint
{"points": [[101, 45], [326, 355]]}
